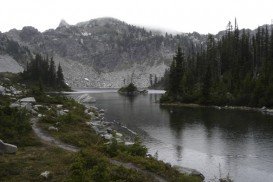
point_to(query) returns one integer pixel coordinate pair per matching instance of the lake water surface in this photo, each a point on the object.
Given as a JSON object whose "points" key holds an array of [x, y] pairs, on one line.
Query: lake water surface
{"points": [[214, 142]]}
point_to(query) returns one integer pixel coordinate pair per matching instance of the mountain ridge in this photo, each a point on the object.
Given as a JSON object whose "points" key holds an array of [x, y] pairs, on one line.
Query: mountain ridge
{"points": [[107, 48]]}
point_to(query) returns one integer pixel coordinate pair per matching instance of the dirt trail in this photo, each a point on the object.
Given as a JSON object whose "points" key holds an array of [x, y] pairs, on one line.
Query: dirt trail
{"points": [[49, 140]]}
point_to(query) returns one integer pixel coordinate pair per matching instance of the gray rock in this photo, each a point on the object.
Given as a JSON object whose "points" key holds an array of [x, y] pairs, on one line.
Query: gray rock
{"points": [[61, 113], [59, 106], [94, 108], [8, 64], [14, 105], [129, 143], [46, 174], [28, 100], [52, 128], [91, 114], [118, 134], [27, 106], [36, 107], [107, 136], [2, 90], [7, 148]]}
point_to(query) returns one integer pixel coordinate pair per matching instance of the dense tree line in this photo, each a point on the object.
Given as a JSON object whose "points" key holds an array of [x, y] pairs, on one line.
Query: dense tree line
{"points": [[235, 69], [43, 71]]}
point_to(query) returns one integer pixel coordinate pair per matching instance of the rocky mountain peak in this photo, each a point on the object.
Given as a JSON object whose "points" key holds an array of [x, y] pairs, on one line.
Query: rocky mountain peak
{"points": [[100, 22], [63, 23]]}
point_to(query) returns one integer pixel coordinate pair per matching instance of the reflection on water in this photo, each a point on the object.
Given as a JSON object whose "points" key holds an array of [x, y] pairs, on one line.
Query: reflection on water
{"points": [[236, 142]]}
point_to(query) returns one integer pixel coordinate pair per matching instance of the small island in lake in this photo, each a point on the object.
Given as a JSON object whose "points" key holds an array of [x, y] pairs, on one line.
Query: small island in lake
{"points": [[131, 90]]}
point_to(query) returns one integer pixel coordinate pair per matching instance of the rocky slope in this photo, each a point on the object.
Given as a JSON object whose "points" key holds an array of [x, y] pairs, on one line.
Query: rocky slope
{"points": [[13, 56], [106, 52], [103, 52]]}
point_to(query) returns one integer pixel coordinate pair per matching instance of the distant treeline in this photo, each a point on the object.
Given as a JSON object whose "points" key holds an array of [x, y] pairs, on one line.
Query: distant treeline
{"points": [[43, 71], [235, 70]]}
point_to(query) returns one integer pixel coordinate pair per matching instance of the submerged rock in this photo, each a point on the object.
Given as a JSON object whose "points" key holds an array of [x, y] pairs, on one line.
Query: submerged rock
{"points": [[85, 98], [7, 148]]}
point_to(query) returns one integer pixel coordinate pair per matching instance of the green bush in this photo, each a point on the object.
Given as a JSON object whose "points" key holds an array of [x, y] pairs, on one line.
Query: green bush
{"points": [[113, 149], [90, 166], [15, 127], [137, 149]]}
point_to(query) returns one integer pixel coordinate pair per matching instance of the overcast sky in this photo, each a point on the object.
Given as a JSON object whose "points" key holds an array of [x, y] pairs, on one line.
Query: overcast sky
{"points": [[204, 16]]}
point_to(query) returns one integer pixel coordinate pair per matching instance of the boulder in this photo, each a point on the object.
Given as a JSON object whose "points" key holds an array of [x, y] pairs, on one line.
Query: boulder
{"points": [[94, 108], [118, 134], [91, 114], [7, 148], [27, 106], [52, 128], [129, 143], [59, 106], [36, 107], [107, 136], [2, 90], [46, 174], [61, 113], [14, 105], [28, 100]]}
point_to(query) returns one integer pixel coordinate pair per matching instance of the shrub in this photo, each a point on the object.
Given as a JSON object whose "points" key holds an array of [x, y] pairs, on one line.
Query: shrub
{"points": [[137, 149], [15, 127]]}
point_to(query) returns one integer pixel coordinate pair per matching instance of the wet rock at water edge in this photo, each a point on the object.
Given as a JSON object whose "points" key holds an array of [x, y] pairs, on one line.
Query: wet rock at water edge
{"points": [[189, 171], [85, 98]]}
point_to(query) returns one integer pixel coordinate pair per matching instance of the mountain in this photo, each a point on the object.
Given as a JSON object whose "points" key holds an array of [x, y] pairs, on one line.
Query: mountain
{"points": [[13, 56], [105, 52]]}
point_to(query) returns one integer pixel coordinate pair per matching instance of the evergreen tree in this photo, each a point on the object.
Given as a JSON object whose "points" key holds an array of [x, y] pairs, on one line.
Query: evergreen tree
{"points": [[52, 73], [60, 77], [43, 73], [236, 69]]}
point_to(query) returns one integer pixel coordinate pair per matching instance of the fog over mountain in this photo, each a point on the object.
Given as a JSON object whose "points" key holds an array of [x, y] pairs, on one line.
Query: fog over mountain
{"points": [[103, 52]]}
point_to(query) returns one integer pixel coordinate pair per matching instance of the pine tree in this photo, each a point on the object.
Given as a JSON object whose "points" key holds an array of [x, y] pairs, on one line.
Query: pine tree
{"points": [[60, 77], [52, 73]]}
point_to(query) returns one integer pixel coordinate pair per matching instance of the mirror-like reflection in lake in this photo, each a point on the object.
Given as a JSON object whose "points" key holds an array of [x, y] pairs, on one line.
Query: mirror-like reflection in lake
{"points": [[212, 141]]}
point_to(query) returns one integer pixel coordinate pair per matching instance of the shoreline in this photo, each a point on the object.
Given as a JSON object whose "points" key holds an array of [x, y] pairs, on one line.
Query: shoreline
{"points": [[106, 125], [263, 110]]}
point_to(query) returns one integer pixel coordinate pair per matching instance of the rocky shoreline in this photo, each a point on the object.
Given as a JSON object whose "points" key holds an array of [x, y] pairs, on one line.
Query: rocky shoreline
{"points": [[119, 132], [263, 109]]}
